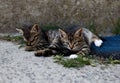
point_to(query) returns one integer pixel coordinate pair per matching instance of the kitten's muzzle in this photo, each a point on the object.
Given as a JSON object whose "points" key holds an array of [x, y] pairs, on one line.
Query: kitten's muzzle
{"points": [[28, 48], [71, 46], [28, 43]]}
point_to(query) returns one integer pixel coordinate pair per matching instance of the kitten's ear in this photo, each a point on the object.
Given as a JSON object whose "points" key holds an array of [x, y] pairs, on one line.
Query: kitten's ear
{"points": [[62, 33], [78, 33], [35, 28], [19, 30]]}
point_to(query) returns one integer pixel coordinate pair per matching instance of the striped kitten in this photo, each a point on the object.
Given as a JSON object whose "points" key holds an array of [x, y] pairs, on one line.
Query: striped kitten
{"points": [[35, 38], [69, 42]]}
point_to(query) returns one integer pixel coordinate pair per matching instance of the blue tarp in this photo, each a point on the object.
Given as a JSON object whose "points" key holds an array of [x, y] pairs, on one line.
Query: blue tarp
{"points": [[109, 48]]}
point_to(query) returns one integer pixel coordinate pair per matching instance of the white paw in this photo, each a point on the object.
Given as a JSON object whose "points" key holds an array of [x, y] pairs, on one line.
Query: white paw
{"points": [[98, 43], [73, 56]]}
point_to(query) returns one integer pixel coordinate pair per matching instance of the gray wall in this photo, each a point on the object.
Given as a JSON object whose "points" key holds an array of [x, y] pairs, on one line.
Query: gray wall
{"points": [[15, 13]]}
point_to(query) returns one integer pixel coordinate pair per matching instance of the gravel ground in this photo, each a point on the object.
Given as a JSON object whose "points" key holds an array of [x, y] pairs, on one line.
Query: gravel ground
{"points": [[19, 66]]}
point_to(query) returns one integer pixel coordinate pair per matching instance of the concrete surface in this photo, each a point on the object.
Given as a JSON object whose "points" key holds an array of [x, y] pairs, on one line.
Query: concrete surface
{"points": [[19, 66]]}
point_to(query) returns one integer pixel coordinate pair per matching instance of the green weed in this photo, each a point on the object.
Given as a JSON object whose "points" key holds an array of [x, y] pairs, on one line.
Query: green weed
{"points": [[13, 38], [66, 62], [83, 61], [18, 39]]}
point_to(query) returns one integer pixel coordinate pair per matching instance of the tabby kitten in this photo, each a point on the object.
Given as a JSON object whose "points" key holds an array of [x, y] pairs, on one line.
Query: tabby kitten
{"points": [[35, 38], [67, 43]]}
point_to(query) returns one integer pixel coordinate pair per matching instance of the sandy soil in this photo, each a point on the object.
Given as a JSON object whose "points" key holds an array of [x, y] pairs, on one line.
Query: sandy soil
{"points": [[19, 66]]}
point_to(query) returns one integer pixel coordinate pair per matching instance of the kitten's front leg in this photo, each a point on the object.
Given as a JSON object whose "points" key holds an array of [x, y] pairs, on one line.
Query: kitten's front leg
{"points": [[84, 51], [51, 50], [29, 48], [45, 52]]}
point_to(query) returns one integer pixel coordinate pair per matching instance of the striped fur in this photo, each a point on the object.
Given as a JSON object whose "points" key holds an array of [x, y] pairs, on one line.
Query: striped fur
{"points": [[69, 41], [35, 38], [66, 43]]}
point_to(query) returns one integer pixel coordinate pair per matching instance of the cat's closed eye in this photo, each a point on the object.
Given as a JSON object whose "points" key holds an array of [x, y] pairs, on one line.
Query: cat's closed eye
{"points": [[66, 42], [35, 37], [75, 43]]}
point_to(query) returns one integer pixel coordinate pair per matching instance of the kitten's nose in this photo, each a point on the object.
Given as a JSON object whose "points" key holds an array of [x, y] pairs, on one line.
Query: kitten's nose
{"points": [[28, 43], [71, 46]]}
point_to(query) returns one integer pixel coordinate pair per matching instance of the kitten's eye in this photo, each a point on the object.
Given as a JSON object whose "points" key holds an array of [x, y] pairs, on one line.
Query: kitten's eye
{"points": [[35, 37], [75, 43], [67, 42]]}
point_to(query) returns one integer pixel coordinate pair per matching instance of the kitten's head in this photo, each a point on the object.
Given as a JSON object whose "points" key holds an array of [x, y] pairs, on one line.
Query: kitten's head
{"points": [[72, 41], [25, 32], [34, 37]]}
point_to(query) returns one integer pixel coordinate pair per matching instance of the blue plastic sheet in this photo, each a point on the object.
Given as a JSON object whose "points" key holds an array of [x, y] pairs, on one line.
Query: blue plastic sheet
{"points": [[109, 48]]}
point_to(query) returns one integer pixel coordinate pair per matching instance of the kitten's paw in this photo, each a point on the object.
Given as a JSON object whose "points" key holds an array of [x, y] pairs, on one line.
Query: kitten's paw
{"points": [[98, 43], [28, 48], [73, 56], [45, 53], [39, 53], [36, 54]]}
